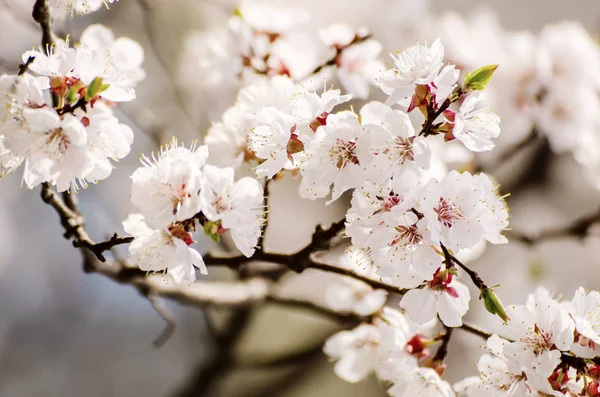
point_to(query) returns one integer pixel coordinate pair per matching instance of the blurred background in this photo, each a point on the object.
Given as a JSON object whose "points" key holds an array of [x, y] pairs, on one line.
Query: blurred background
{"points": [[66, 333]]}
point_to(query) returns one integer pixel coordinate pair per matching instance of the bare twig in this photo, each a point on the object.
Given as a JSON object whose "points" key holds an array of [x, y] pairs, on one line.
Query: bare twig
{"points": [[451, 260], [475, 330], [442, 350], [290, 359], [318, 309], [164, 313], [72, 221], [263, 230], [338, 52], [579, 229], [507, 154]]}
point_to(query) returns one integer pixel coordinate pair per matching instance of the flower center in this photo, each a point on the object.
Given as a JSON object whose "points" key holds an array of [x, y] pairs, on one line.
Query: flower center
{"points": [[539, 339], [409, 234], [448, 212], [342, 153], [59, 139], [221, 205]]}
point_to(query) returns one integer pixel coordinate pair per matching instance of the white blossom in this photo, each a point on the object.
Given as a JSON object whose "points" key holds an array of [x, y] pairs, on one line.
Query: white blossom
{"points": [[420, 382], [417, 65], [389, 143], [330, 158], [166, 189], [585, 311], [351, 295], [165, 249], [238, 205], [474, 128], [461, 209], [541, 330], [377, 347], [443, 296], [80, 6]]}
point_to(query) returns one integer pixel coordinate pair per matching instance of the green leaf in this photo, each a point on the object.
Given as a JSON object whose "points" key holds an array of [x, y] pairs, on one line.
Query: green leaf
{"points": [[479, 78], [95, 88]]}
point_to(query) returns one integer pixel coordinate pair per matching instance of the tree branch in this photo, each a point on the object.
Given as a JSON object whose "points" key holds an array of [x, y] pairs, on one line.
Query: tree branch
{"points": [[73, 224], [41, 14], [338, 52], [263, 229], [579, 229], [442, 350], [451, 260], [164, 313], [507, 154]]}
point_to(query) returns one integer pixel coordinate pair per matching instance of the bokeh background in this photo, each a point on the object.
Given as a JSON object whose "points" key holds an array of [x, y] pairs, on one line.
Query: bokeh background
{"points": [[66, 333]]}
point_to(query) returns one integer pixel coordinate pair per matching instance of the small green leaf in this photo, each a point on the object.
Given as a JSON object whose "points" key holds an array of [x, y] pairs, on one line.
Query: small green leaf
{"points": [[479, 78], [95, 88]]}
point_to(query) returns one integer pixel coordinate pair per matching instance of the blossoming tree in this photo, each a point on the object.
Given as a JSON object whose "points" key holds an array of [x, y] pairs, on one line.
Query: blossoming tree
{"points": [[413, 223]]}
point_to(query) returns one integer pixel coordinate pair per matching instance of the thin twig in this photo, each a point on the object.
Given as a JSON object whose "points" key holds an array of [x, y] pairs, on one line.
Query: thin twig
{"points": [[73, 224], [507, 154], [579, 229], [451, 260], [475, 330], [442, 350], [263, 229], [166, 315], [338, 52]]}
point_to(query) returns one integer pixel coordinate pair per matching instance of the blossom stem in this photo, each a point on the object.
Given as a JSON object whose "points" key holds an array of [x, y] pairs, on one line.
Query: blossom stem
{"points": [[442, 350], [451, 260], [433, 114], [263, 229]]}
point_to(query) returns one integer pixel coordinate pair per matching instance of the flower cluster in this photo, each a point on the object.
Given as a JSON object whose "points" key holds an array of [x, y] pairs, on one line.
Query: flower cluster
{"points": [[174, 190], [548, 350], [265, 40], [552, 86], [56, 116], [393, 348], [402, 215]]}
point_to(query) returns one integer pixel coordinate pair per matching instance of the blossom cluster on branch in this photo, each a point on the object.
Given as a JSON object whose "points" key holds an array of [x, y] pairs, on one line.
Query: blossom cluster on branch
{"points": [[56, 115], [412, 217]]}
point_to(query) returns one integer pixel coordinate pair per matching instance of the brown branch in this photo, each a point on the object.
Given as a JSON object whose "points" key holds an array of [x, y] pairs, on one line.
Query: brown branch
{"points": [[41, 14], [476, 330], [451, 260], [506, 155], [73, 224], [263, 229], [338, 52], [579, 229], [207, 375], [442, 350], [433, 114], [342, 317]]}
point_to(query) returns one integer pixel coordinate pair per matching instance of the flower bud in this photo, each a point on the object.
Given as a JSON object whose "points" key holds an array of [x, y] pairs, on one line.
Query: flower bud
{"points": [[479, 78], [493, 304]]}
